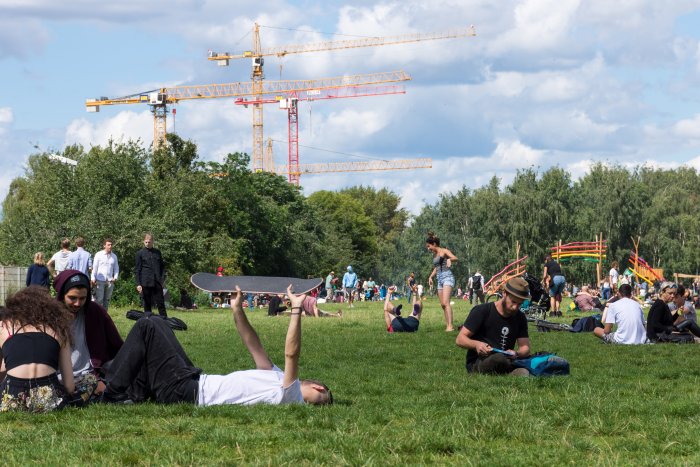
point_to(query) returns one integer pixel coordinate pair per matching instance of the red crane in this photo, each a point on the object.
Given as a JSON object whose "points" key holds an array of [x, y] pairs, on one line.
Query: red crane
{"points": [[290, 102]]}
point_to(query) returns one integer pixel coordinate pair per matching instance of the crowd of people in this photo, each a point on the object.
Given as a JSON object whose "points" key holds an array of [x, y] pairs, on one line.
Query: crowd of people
{"points": [[67, 351]]}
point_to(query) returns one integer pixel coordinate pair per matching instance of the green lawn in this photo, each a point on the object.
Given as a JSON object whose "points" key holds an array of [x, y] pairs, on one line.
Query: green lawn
{"points": [[401, 399]]}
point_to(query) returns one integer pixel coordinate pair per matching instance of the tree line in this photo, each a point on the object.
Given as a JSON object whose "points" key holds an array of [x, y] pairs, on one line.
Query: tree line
{"points": [[209, 214]]}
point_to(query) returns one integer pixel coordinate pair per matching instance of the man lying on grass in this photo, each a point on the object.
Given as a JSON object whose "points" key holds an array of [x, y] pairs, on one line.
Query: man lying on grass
{"points": [[152, 364], [392, 314], [491, 331]]}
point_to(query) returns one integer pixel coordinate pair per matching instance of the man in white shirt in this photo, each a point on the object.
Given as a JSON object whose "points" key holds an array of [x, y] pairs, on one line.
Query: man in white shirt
{"points": [[105, 271], [59, 261], [152, 364], [627, 314]]}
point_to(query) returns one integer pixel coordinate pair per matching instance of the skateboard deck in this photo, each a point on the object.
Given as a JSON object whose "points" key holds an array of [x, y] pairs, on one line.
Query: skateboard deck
{"points": [[252, 284]]}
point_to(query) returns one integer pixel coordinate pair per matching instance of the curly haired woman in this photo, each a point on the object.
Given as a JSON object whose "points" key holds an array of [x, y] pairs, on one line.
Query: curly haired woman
{"points": [[36, 343]]}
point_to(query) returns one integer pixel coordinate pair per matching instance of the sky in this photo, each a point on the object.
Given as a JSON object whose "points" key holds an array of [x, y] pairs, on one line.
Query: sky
{"points": [[544, 83]]}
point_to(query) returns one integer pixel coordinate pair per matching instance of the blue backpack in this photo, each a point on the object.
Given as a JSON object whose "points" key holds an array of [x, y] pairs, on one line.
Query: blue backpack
{"points": [[543, 364]]}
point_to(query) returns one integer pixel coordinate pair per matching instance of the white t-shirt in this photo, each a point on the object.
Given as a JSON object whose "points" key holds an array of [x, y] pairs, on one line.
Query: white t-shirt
{"points": [[248, 387], [627, 314], [60, 260], [613, 276]]}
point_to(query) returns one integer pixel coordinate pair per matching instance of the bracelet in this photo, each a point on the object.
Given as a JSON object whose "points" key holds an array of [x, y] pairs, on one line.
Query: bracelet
{"points": [[296, 308]]}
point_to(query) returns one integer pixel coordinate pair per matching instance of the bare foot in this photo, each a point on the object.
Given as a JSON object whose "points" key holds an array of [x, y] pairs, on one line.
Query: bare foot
{"points": [[449, 329]]}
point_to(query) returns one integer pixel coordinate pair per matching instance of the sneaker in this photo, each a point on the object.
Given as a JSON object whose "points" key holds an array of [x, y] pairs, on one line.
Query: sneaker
{"points": [[109, 397], [520, 372]]}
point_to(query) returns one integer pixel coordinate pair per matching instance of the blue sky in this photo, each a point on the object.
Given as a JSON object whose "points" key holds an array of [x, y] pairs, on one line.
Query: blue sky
{"points": [[545, 82]]}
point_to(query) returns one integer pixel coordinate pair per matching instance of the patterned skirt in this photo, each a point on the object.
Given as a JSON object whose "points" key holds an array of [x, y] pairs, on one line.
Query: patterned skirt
{"points": [[35, 395]]}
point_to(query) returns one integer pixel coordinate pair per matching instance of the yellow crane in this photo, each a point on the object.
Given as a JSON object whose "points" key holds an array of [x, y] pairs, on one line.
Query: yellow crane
{"points": [[330, 167], [356, 166], [159, 99], [257, 55]]}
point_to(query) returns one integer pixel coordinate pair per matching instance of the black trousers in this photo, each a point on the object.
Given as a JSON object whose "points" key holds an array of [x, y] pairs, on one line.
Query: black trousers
{"points": [[153, 365], [154, 295]]}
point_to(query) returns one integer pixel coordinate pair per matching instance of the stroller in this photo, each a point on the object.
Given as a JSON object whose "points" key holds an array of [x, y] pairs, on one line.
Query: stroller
{"points": [[537, 307]]}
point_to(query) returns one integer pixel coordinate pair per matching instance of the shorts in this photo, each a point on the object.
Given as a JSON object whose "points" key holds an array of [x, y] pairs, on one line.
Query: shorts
{"points": [[557, 287], [400, 324], [349, 291], [445, 279]]}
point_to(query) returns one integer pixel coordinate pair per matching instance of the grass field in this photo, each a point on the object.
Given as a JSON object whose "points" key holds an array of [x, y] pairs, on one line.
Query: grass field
{"points": [[401, 399]]}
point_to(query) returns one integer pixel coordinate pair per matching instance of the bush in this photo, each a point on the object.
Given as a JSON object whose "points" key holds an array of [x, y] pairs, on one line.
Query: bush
{"points": [[202, 300], [125, 294]]}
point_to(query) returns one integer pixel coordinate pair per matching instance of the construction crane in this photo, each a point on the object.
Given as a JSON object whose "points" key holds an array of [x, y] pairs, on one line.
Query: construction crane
{"points": [[332, 167], [159, 99], [357, 166], [290, 103], [257, 56]]}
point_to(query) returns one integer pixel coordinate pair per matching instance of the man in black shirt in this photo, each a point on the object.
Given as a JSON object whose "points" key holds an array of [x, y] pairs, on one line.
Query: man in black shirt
{"points": [[491, 331], [150, 276]]}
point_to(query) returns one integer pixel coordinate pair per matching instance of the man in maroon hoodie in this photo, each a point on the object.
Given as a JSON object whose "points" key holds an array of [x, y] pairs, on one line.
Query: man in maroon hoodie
{"points": [[95, 337]]}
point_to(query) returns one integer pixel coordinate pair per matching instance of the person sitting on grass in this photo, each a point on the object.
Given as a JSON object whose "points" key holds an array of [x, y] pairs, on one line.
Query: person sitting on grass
{"points": [[585, 301], [627, 315], [36, 344], [491, 331], [153, 363], [392, 314], [683, 302], [660, 320]]}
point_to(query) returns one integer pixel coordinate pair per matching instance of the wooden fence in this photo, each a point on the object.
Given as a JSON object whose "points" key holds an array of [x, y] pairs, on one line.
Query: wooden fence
{"points": [[12, 278]]}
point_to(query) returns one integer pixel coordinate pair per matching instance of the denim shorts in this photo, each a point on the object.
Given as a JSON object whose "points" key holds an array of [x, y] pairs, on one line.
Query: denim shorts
{"points": [[557, 286], [445, 279]]}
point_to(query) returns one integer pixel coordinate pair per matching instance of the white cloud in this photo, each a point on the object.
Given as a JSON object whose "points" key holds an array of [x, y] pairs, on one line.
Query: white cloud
{"points": [[688, 128], [123, 126], [5, 115]]}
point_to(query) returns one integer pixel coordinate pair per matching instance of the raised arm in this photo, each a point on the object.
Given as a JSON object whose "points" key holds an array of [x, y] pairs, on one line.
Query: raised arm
{"points": [[449, 255], [248, 335], [292, 345]]}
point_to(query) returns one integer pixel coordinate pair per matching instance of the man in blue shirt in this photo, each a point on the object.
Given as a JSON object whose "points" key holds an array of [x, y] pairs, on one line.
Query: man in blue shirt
{"points": [[80, 260], [349, 284]]}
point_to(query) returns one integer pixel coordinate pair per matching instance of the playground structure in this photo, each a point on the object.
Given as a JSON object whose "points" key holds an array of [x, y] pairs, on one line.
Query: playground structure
{"points": [[514, 269], [593, 252], [641, 268]]}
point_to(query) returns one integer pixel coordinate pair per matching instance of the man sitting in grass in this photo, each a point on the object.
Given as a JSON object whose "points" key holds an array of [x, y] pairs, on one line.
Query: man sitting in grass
{"points": [[627, 315], [491, 331], [152, 364], [392, 314]]}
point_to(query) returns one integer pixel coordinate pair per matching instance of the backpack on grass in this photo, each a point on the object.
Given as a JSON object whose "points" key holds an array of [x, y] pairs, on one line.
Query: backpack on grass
{"points": [[676, 338], [543, 364], [586, 324]]}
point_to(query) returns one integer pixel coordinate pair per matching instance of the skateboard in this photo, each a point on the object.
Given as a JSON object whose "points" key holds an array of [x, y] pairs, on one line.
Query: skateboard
{"points": [[252, 284]]}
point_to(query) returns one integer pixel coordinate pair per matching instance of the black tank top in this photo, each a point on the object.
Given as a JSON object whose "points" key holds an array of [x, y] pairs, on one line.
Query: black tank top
{"points": [[31, 347]]}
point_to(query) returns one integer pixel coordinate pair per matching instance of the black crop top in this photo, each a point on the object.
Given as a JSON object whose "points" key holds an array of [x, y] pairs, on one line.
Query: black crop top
{"points": [[31, 347]]}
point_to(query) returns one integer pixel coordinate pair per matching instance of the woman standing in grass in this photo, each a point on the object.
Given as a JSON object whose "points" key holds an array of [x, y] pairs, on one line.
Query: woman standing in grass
{"points": [[38, 273], [36, 343], [442, 262]]}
